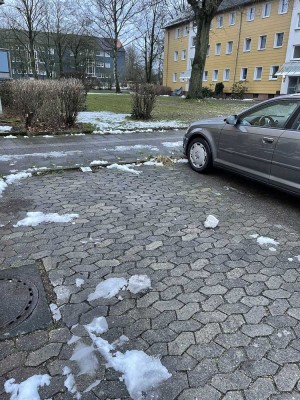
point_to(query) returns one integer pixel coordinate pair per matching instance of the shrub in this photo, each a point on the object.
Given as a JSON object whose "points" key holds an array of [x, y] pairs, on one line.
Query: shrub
{"points": [[207, 92], [239, 89], [5, 94], [163, 90], [46, 104], [219, 89], [143, 101]]}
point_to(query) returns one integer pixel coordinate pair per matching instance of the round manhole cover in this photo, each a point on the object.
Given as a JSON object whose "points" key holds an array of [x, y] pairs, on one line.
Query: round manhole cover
{"points": [[18, 299]]}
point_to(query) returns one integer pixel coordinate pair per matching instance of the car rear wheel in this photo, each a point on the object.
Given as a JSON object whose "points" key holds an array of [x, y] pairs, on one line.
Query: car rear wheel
{"points": [[199, 155]]}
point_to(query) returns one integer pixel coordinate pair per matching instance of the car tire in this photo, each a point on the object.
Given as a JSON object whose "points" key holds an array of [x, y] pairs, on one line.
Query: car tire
{"points": [[199, 155]]}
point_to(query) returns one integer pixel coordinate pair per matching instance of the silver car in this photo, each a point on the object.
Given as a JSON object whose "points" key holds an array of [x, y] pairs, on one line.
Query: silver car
{"points": [[261, 143]]}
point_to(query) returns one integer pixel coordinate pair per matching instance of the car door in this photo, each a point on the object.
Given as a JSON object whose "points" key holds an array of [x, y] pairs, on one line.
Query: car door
{"points": [[248, 146], [285, 167]]}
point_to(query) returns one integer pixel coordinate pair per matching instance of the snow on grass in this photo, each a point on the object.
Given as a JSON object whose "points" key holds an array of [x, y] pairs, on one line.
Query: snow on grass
{"points": [[70, 383], [96, 163], [154, 163], [28, 389], [36, 218], [10, 179], [263, 240], [139, 283], [140, 372], [3, 186], [211, 222], [124, 168], [92, 386], [172, 145], [86, 359], [5, 128], [181, 161], [136, 147], [86, 169], [79, 282], [51, 154], [108, 288], [108, 122], [55, 312], [10, 137]]}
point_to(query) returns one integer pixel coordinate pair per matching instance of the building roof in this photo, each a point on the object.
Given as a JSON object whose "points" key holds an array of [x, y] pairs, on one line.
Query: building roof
{"points": [[225, 5]]}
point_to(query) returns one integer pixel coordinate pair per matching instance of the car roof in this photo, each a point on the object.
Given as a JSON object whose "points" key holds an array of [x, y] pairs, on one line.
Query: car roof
{"points": [[290, 96]]}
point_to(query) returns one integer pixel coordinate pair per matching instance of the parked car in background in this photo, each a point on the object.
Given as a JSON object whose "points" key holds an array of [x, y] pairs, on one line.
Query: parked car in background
{"points": [[261, 143]]}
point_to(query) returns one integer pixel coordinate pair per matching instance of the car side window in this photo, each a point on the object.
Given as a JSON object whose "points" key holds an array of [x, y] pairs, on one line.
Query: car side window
{"points": [[273, 115], [296, 124]]}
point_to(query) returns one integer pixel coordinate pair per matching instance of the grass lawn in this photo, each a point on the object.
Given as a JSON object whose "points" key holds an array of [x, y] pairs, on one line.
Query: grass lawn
{"points": [[169, 108]]}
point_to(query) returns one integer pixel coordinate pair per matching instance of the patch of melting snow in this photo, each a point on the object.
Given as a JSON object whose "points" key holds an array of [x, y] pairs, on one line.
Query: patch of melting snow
{"points": [[10, 179], [28, 389], [140, 372], [298, 258], [70, 383], [95, 163], [211, 222], [272, 249], [290, 259], [3, 186], [36, 218], [86, 169], [172, 145], [254, 236], [79, 282], [153, 163], [10, 137], [181, 161], [136, 147], [73, 339], [264, 240], [51, 154], [112, 286], [55, 312], [86, 359], [125, 168], [92, 386]]}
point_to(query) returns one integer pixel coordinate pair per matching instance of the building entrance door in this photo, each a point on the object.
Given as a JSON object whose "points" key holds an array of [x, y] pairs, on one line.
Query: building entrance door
{"points": [[294, 84]]}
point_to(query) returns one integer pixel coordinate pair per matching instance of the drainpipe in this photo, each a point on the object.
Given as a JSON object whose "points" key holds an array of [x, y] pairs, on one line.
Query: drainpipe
{"points": [[238, 46]]}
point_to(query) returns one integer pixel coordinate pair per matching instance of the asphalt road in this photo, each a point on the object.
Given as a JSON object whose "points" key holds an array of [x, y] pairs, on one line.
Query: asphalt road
{"points": [[67, 151]]}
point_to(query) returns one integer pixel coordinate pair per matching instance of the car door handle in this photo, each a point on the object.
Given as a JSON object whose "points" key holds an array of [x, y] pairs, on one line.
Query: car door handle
{"points": [[268, 140]]}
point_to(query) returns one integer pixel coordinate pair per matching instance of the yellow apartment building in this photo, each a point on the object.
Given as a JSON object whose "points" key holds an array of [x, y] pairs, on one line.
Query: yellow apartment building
{"points": [[257, 42]]}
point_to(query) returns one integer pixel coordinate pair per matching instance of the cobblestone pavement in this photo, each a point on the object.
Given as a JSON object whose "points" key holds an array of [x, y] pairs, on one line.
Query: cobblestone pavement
{"points": [[223, 312]]}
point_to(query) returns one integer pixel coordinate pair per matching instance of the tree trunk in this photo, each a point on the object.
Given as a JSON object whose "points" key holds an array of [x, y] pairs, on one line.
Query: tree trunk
{"points": [[31, 55], [202, 39], [118, 89]]}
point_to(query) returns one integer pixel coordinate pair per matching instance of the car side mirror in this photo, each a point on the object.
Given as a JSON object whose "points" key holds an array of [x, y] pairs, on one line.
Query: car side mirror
{"points": [[231, 120]]}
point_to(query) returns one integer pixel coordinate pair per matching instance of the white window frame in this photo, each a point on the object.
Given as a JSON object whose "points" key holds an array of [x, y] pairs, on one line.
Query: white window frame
{"points": [[107, 65], [183, 54], [232, 18], [228, 51], [218, 49], [185, 31], [245, 41], [260, 42], [208, 50], [272, 73], [296, 58], [255, 78], [241, 74], [174, 77], [266, 7], [205, 76], [225, 78], [251, 13], [107, 54], [298, 22], [177, 33], [182, 75], [215, 75], [175, 55], [220, 21], [276, 39], [283, 6]]}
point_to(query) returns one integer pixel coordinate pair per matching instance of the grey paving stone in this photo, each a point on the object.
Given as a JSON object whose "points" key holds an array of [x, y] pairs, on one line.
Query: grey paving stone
{"points": [[231, 381], [255, 315], [207, 333], [260, 368], [257, 330], [202, 373], [204, 393], [181, 343], [229, 340], [32, 341], [233, 396], [283, 356], [233, 323], [187, 311], [11, 362], [287, 377], [231, 360], [45, 353], [261, 389]]}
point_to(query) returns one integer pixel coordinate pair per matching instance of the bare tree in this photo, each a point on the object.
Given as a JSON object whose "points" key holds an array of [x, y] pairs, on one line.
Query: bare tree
{"points": [[114, 19], [204, 11], [24, 18], [134, 65]]}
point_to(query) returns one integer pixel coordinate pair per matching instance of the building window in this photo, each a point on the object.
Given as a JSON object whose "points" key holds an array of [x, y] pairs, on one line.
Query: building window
{"points": [[107, 65], [257, 73], [232, 17], [283, 6], [175, 55], [107, 54], [278, 42], [185, 31], [226, 74], [262, 42], [194, 41], [218, 49], [208, 50], [247, 44], [100, 64], [273, 70], [296, 52], [298, 22], [229, 47], [175, 77], [215, 74], [220, 21], [183, 54], [250, 13], [205, 75], [266, 10], [182, 76], [243, 75], [177, 33]]}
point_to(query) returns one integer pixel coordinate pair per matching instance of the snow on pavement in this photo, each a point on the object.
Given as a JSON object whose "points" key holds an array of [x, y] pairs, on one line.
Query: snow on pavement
{"points": [[55, 312], [38, 217], [211, 222], [124, 168], [172, 145], [86, 359], [70, 383], [51, 154], [263, 240], [10, 179], [28, 389], [136, 147], [3, 186]]}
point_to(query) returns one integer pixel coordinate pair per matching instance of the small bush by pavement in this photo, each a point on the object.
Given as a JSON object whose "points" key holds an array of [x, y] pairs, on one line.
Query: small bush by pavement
{"points": [[239, 89], [207, 92], [143, 101], [219, 88]]}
